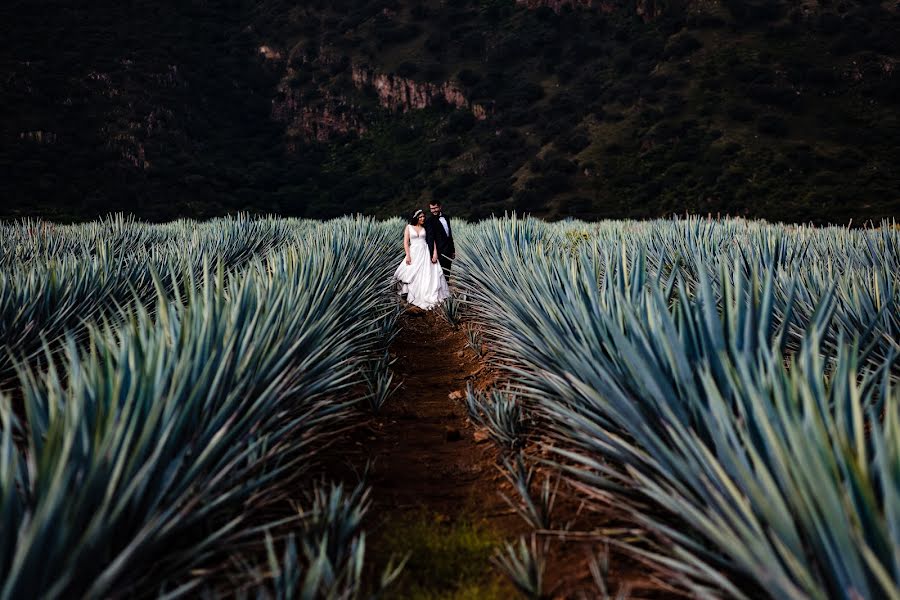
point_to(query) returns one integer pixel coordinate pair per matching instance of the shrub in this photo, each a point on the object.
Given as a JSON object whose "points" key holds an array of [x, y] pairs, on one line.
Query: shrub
{"points": [[772, 125], [468, 77], [472, 45], [673, 105], [460, 121], [390, 34], [705, 21], [821, 76], [681, 45], [741, 112], [830, 23], [435, 43], [550, 183], [623, 64], [784, 97], [647, 46], [527, 200], [577, 206], [559, 164], [753, 73], [748, 13], [444, 148], [433, 72], [574, 142], [407, 69], [565, 72]]}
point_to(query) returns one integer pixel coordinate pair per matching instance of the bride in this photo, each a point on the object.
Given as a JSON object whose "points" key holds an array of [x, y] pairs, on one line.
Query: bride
{"points": [[421, 280]]}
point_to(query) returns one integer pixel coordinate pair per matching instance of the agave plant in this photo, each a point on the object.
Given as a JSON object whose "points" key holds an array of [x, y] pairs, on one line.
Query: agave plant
{"points": [[537, 512], [64, 276], [388, 324], [380, 381], [524, 564], [149, 440], [731, 383], [474, 340], [598, 563], [452, 309], [324, 558], [500, 413]]}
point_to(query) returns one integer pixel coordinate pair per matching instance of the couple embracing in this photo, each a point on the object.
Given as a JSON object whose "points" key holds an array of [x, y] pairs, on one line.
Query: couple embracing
{"points": [[430, 252]]}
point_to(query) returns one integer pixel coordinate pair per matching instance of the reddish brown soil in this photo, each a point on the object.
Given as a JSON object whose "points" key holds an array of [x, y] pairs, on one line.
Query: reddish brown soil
{"points": [[426, 457]]}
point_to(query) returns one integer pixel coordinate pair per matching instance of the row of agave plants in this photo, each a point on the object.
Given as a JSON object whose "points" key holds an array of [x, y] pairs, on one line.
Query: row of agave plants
{"points": [[168, 378], [731, 384], [54, 278]]}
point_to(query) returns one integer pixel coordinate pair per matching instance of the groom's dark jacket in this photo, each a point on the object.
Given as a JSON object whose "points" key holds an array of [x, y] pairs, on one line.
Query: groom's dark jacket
{"points": [[436, 236]]}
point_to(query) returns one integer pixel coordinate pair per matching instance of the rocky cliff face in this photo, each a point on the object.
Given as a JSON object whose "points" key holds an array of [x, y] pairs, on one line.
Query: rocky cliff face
{"points": [[401, 94], [322, 119], [646, 9], [39, 136], [556, 5], [319, 121]]}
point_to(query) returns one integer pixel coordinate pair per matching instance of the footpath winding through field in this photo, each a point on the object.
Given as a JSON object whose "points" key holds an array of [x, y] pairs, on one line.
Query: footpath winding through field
{"points": [[436, 483]]}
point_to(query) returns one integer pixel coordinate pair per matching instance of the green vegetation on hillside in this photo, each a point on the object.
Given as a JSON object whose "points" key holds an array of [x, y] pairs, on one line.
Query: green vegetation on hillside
{"points": [[779, 109]]}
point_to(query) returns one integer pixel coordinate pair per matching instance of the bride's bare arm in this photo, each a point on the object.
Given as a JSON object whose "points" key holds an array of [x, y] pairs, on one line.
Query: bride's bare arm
{"points": [[406, 245]]}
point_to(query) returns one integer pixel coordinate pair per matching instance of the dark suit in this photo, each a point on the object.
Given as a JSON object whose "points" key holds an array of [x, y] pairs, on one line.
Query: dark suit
{"points": [[436, 237]]}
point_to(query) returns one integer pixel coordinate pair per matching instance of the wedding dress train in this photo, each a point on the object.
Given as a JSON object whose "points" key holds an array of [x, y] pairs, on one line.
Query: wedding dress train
{"points": [[423, 282]]}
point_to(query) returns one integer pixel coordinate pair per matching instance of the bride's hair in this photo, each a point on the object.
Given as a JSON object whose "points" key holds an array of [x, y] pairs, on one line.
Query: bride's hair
{"points": [[414, 219]]}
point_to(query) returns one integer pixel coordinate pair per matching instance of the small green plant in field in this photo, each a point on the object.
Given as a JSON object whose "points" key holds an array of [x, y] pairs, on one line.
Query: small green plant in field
{"points": [[500, 413], [379, 381], [445, 560], [536, 510], [452, 309], [474, 340], [524, 564]]}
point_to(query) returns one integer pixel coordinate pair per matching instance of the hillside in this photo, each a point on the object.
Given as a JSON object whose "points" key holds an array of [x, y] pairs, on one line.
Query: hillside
{"points": [[787, 110]]}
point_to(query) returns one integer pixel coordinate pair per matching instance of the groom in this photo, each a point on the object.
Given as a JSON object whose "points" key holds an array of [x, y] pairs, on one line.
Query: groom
{"points": [[439, 237]]}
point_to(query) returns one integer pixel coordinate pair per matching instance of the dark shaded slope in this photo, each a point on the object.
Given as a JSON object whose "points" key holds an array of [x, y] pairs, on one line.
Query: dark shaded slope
{"points": [[776, 109], [157, 108]]}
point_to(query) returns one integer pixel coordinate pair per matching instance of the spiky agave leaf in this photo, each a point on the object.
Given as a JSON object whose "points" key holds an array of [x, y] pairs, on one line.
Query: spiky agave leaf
{"points": [[661, 369], [175, 416], [500, 413], [536, 511], [524, 564]]}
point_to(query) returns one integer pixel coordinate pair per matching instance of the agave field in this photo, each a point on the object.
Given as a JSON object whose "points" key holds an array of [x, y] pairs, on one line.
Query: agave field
{"points": [[161, 381], [731, 384]]}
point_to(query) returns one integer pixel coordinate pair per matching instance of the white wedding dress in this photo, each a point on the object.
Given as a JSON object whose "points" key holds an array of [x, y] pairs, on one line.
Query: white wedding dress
{"points": [[423, 282]]}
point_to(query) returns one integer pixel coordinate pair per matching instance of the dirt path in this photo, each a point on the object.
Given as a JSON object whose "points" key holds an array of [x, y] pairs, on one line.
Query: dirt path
{"points": [[427, 456], [436, 482], [429, 471]]}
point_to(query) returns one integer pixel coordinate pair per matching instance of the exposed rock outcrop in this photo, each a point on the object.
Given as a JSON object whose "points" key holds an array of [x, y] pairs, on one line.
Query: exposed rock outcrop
{"points": [[39, 136], [270, 53], [646, 9], [130, 148], [320, 121], [401, 94], [556, 5]]}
